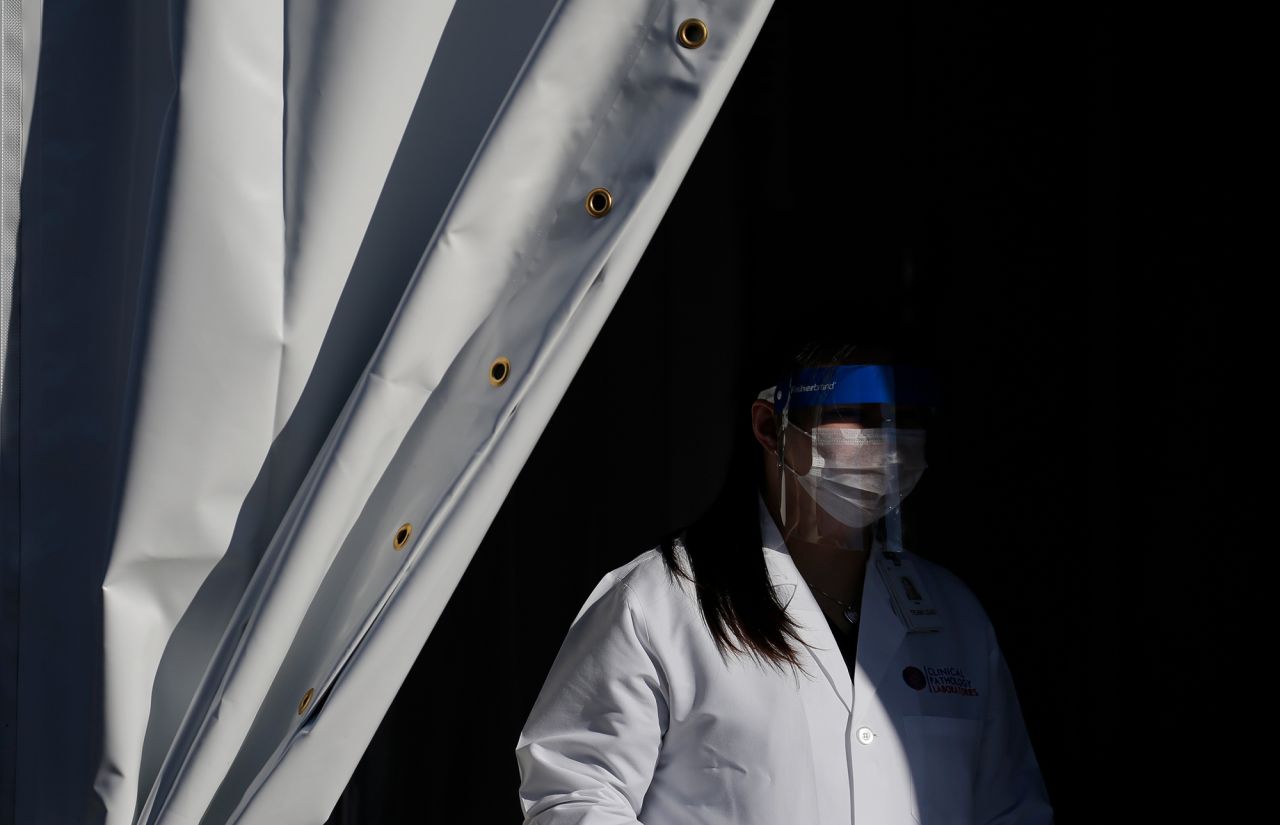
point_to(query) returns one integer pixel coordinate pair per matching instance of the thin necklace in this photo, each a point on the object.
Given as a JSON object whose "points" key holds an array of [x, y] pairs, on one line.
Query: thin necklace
{"points": [[850, 614]]}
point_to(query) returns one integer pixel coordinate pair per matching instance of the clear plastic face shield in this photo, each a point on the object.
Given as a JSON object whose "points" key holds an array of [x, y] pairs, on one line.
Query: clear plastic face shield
{"points": [[851, 441]]}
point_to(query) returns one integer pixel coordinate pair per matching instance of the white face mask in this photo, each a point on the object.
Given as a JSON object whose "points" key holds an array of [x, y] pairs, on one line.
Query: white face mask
{"points": [[847, 476]]}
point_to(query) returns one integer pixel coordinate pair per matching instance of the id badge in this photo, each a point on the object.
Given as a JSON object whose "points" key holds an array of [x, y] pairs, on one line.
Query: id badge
{"points": [[910, 600]]}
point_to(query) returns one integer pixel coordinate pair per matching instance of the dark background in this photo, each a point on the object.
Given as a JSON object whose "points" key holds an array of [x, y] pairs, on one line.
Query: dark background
{"points": [[939, 173]]}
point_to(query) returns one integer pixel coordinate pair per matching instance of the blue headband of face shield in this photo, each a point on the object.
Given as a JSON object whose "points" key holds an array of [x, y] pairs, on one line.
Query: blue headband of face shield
{"points": [[856, 384]]}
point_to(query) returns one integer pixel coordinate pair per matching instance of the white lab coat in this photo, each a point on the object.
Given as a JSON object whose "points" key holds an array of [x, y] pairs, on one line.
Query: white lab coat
{"points": [[640, 719]]}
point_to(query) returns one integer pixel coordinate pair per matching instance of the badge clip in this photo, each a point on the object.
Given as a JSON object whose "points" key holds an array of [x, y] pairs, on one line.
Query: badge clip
{"points": [[910, 600]]}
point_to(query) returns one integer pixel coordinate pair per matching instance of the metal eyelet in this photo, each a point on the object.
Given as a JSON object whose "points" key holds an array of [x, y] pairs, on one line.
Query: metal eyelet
{"points": [[402, 536], [692, 33], [499, 371], [599, 202], [306, 701]]}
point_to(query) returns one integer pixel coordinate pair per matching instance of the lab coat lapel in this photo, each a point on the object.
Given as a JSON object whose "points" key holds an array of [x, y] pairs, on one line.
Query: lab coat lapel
{"points": [[797, 600], [800, 605], [881, 634]]}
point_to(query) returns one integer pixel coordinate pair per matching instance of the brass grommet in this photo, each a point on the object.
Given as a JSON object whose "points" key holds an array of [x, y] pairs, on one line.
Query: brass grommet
{"points": [[499, 371], [402, 536], [306, 700], [599, 202], [692, 33]]}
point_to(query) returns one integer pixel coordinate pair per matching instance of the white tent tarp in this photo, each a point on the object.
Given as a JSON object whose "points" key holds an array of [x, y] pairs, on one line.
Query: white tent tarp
{"points": [[258, 616]]}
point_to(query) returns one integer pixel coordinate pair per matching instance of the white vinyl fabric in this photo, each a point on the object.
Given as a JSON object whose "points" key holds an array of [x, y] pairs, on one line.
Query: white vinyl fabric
{"points": [[19, 48], [241, 687]]}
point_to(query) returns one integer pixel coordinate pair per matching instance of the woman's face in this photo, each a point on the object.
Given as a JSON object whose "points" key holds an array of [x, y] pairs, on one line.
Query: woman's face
{"points": [[805, 520]]}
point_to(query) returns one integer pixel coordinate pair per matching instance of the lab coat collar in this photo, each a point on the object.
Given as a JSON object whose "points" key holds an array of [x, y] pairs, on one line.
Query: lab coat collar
{"points": [[881, 632]]}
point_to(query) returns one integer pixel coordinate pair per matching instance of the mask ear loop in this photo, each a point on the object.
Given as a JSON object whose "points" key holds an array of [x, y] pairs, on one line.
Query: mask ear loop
{"points": [[782, 442]]}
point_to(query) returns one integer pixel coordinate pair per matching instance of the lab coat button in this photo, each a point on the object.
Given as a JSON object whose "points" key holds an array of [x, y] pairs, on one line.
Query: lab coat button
{"points": [[865, 735]]}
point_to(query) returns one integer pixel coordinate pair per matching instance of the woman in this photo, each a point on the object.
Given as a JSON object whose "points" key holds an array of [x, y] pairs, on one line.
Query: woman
{"points": [[706, 683]]}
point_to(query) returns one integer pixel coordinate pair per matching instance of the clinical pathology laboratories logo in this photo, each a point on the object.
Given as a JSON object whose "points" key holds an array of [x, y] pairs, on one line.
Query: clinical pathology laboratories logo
{"points": [[939, 680]]}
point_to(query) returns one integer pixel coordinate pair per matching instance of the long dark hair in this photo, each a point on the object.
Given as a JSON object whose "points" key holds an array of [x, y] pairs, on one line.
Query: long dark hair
{"points": [[729, 573]]}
